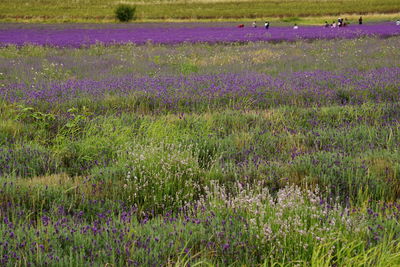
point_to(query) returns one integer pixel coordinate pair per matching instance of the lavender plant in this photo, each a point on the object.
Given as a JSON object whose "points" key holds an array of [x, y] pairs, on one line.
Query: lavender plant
{"points": [[77, 37]]}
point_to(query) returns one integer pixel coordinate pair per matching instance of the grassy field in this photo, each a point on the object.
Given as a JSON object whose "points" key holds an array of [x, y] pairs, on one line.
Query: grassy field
{"points": [[102, 11], [244, 154]]}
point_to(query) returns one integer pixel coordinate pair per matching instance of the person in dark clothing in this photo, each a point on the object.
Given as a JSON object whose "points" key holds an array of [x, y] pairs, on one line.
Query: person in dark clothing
{"points": [[360, 21], [326, 24], [266, 25]]}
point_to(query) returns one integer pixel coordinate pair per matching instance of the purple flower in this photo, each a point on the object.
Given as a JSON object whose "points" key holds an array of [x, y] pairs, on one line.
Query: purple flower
{"points": [[75, 37]]}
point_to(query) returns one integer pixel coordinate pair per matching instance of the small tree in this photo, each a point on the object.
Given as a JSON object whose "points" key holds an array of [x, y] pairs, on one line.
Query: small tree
{"points": [[125, 13]]}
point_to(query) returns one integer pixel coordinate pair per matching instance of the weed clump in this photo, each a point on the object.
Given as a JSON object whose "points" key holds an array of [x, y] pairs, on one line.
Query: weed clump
{"points": [[125, 13]]}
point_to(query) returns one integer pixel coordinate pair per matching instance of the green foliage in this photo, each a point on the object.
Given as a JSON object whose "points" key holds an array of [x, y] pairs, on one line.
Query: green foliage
{"points": [[187, 68], [355, 254], [291, 19], [26, 114], [125, 13]]}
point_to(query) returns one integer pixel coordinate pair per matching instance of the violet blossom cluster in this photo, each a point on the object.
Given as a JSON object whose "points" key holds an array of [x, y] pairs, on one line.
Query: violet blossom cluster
{"points": [[78, 37], [303, 88]]}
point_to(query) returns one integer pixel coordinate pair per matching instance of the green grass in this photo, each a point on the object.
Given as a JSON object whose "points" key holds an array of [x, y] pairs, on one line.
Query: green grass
{"points": [[103, 11], [159, 150]]}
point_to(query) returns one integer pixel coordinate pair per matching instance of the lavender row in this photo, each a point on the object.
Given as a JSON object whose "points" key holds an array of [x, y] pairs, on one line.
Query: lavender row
{"points": [[74, 37], [259, 90]]}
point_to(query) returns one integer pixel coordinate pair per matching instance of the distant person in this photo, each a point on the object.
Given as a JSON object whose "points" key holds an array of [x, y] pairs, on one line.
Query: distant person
{"points": [[266, 25], [398, 22], [360, 21], [254, 24], [240, 26], [333, 24], [327, 24], [339, 22], [295, 27]]}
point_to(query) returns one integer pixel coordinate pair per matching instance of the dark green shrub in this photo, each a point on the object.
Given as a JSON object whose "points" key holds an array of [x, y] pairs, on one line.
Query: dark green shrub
{"points": [[125, 13]]}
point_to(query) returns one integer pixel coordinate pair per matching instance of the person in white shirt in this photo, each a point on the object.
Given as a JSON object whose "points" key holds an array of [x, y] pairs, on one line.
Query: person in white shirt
{"points": [[398, 22], [295, 27]]}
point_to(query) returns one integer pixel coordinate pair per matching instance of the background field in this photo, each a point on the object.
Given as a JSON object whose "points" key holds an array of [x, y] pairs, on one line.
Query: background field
{"points": [[102, 11]]}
